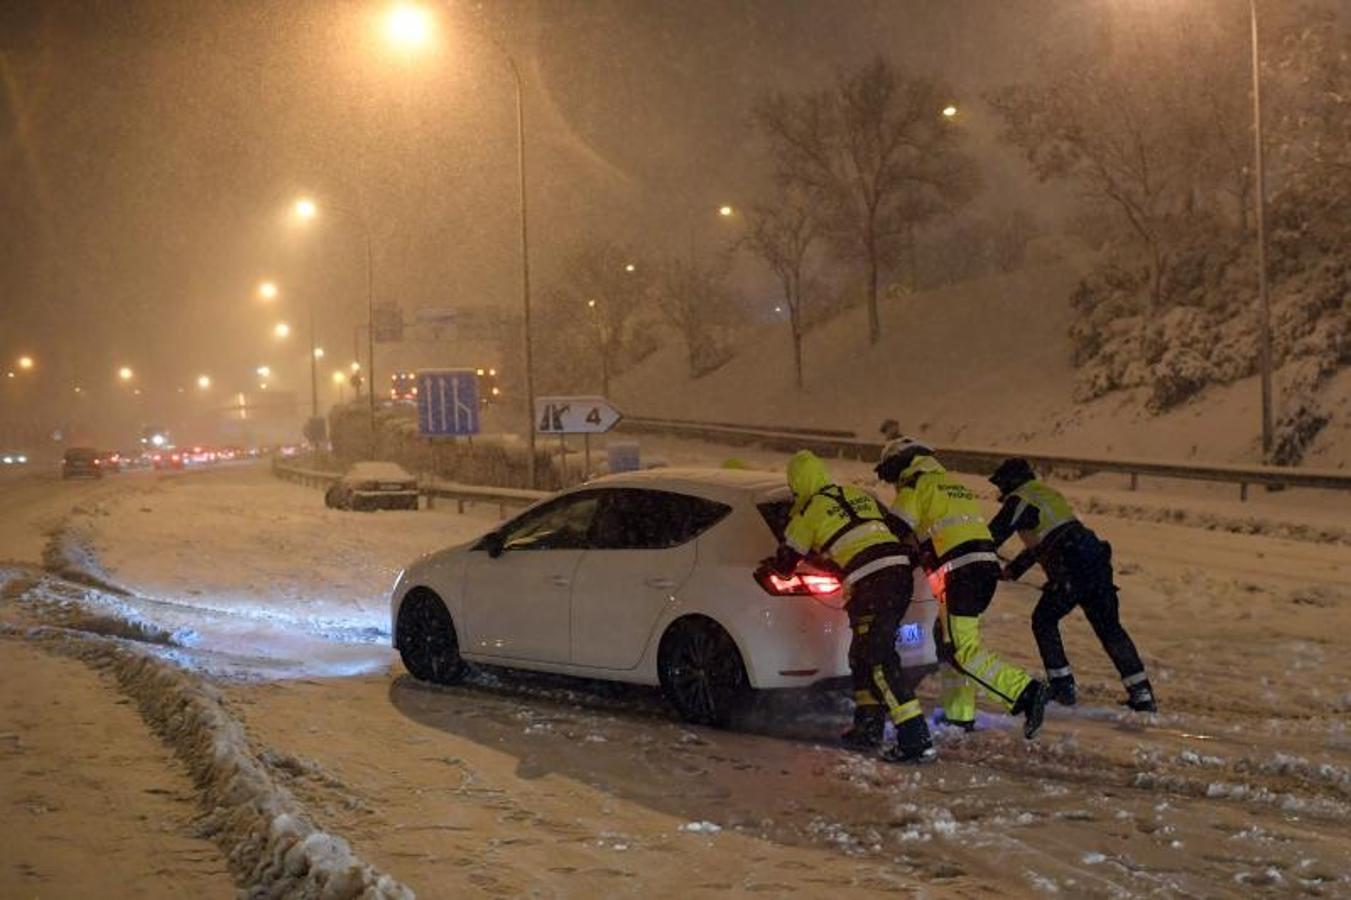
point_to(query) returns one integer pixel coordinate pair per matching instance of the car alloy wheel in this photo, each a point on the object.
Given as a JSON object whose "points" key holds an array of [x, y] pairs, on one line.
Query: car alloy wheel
{"points": [[702, 673], [427, 641]]}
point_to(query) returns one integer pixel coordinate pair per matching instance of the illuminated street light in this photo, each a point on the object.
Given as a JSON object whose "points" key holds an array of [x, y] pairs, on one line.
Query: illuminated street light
{"points": [[262, 385], [282, 330], [408, 26], [725, 211], [339, 376], [589, 303], [25, 362], [318, 352], [263, 371], [204, 381], [125, 373], [949, 111], [630, 267], [9, 374], [356, 367], [306, 208], [268, 290]]}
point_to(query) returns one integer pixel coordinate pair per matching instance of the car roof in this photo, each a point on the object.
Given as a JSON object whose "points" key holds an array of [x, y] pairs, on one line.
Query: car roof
{"points": [[378, 470], [713, 483]]}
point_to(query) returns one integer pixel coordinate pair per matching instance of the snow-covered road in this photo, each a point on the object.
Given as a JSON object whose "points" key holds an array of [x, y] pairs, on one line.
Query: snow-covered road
{"points": [[515, 784]]}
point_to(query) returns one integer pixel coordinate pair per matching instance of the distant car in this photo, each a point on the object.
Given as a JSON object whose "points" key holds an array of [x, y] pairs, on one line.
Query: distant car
{"points": [[373, 485], [81, 462], [167, 459], [645, 577], [110, 461], [13, 458]]}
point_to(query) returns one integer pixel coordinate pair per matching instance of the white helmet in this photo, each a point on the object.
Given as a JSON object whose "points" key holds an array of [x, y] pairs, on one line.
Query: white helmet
{"points": [[897, 456]]}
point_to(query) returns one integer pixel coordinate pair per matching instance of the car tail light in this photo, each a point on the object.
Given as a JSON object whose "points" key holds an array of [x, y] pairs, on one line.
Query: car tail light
{"points": [[799, 584]]}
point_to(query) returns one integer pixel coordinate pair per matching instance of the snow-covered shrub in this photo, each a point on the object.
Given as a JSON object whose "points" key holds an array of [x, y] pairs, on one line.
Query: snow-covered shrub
{"points": [[1176, 377]]}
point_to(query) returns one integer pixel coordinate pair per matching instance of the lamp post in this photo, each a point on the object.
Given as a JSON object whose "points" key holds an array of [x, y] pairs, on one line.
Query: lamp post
{"points": [[308, 209], [410, 27], [1264, 303]]}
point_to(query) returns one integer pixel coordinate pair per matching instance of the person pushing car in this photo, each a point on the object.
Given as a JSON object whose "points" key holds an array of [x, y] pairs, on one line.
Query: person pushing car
{"points": [[944, 518], [846, 526], [1078, 567]]}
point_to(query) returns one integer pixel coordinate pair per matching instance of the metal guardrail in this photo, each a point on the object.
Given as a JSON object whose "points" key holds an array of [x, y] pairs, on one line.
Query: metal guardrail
{"points": [[983, 460], [462, 494]]}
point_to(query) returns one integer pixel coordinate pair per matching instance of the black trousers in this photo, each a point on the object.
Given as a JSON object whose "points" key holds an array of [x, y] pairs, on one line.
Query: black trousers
{"points": [[877, 604], [1080, 574]]}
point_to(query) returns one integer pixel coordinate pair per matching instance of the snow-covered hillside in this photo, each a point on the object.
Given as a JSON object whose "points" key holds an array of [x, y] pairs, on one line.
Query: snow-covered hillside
{"points": [[985, 362]]}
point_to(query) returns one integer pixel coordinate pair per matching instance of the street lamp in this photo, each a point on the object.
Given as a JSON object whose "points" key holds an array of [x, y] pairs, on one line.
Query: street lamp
{"points": [[949, 111], [1264, 303], [307, 209], [268, 290], [281, 330], [408, 26], [263, 371], [125, 373], [405, 29], [725, 211], [25, 363], [204, 381]]}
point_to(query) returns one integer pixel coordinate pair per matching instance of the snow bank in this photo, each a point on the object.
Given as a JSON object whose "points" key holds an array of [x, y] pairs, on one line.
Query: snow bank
{"points": [[272, 848]]}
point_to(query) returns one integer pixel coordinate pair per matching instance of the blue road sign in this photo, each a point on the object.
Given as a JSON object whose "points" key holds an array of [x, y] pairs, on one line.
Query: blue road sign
{"points": [[447, 402]]}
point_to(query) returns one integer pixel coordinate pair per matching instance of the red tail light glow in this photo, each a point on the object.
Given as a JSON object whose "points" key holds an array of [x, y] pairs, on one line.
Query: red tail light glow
{"points": [[799, 584]]}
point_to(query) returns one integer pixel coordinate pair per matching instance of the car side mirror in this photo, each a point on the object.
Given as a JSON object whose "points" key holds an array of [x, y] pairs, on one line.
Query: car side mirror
{"points": [[494, 543]]}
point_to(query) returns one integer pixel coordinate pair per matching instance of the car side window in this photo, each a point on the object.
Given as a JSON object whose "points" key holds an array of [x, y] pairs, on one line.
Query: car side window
{"points": [[632, 519], [564, 524]]}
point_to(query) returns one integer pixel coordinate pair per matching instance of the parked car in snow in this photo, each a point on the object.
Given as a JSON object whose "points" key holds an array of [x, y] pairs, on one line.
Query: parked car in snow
{"points": [[646, 577], [81, 462], [373, 485]]}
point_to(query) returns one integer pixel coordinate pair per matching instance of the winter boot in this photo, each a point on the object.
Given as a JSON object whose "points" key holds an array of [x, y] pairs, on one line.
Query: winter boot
{"points": [[913, 744], [1031, 704], [866, 733], [1141, 698], [967, 725], [1062, 690]]}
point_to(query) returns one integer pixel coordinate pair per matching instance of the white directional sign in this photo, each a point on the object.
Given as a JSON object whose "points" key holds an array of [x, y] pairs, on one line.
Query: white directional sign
{"points": [[574, 415]]}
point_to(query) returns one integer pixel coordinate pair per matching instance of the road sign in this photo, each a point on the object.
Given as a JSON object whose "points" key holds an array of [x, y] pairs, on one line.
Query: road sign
{"points": [[388, 321], [574, 415], [447, 402]]}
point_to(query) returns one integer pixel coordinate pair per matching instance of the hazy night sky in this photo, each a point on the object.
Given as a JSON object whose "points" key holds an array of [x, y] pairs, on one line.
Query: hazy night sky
{"points": [[152, 147]]}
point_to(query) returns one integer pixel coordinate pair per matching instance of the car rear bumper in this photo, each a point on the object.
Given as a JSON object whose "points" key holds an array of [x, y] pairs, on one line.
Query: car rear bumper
{"points": [[368, 500], [799, 642]]}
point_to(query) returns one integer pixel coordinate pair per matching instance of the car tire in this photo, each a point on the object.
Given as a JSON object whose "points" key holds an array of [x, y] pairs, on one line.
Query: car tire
{"points": [[331, 497], [428, 644], [702, 673]]}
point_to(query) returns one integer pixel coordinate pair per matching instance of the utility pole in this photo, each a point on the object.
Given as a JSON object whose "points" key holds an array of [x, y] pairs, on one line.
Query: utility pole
{"points": [[1264, 308]]}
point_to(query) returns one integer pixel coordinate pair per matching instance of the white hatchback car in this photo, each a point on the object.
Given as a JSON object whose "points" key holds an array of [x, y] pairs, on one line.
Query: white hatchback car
{"points": [[648, 577]]}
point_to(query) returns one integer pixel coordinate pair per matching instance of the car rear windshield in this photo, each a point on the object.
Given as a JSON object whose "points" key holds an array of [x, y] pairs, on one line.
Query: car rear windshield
{"points": [[775, 513], [76, 454]]}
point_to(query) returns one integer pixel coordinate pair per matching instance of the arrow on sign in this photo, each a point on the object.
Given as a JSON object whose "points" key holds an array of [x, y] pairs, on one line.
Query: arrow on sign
{"points": [[574, 415]]}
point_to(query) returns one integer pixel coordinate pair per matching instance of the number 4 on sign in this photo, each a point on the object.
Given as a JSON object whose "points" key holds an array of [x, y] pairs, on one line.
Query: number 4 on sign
{"points": [[593, 417]]}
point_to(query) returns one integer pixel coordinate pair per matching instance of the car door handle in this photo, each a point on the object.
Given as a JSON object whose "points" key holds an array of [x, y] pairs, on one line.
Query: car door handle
{"points": [[559, 580], [662, 584]]}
